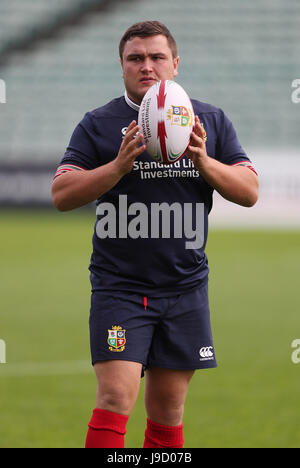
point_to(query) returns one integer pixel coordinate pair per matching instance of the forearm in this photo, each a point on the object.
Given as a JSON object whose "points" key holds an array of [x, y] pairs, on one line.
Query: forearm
{"points": [[75, 189], [237, 184]]}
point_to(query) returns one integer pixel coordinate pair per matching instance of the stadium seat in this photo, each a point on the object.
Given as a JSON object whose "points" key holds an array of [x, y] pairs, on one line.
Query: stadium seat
{"points": [[240, 57]]}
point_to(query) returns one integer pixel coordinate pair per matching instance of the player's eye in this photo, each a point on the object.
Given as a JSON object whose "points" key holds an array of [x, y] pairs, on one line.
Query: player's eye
{"points": [[135, 59]]}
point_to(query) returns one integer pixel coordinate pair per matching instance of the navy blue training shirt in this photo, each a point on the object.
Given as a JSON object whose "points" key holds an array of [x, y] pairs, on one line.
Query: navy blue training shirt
{"points": [[151, 228]]}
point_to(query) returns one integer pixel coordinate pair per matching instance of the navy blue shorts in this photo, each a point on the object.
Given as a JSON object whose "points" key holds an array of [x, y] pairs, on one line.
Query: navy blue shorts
{"points": [[172, 332]]}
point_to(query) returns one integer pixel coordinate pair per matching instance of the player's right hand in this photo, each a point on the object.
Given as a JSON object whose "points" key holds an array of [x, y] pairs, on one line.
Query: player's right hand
{"points": [[130, 149]]}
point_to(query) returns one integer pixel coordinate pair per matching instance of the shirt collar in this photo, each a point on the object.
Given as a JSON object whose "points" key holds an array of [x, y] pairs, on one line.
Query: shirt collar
{"points": [[130, 103]]}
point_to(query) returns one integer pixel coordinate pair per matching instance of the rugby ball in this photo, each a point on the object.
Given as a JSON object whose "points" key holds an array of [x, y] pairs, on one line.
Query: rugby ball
{"points": [[166, 118]]}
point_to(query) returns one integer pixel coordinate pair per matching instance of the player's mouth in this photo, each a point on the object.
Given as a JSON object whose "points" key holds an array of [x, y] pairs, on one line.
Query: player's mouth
{"points": [[148, 80]]}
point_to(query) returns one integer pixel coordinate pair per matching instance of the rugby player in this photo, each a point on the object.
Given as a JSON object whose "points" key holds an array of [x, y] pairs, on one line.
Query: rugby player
{"points": [[149, 271]]}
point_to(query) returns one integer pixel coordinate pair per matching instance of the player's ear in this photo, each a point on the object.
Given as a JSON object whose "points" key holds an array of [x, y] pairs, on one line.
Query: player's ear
{"points": [[176, 63], [121, 62]]}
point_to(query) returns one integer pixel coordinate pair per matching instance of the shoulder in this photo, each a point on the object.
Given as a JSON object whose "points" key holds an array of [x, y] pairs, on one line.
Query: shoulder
{"points": [[213, 116], [205, 108], [112, 109]]}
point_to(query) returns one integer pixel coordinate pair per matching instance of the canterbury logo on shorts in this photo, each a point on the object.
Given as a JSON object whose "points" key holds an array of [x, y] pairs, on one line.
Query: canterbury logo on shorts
{"points": [[206, 353]]}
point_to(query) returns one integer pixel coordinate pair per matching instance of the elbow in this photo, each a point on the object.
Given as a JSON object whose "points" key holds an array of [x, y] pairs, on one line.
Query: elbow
{"points": [[59, 205], [58, 201], [251, 198], [252, 193], [250, 202]]}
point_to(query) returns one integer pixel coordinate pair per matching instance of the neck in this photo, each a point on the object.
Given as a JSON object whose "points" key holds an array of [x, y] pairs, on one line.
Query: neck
{"points": [[131, 103]]}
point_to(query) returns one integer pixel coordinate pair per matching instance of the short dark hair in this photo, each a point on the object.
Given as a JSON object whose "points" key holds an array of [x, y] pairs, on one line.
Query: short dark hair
{"points": [[148, 29]]}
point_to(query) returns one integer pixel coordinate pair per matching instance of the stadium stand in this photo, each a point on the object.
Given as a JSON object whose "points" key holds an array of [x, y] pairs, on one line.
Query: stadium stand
{"points": [[23, 22], [239, 56], [23, 18]]}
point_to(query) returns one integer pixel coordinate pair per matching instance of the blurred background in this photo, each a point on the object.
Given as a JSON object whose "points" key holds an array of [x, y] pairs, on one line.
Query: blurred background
{"points": [[58, 60]]}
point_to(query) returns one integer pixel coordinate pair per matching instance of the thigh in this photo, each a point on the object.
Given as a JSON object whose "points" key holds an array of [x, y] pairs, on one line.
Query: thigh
{"points": [[183, 340], [118, 385], [165, 394], [167, 383], [117, 373], [120, 328]]}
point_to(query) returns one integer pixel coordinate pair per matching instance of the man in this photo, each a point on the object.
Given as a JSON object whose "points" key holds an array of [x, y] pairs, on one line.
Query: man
{"points": [[149, 306]]}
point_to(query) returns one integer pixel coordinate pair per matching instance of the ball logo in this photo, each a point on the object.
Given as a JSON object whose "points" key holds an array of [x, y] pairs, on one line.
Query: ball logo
{"points": [[144, 116], [206, 353], [180, 115]]}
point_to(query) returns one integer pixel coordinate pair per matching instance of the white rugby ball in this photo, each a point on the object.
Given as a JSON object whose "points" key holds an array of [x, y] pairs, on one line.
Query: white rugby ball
{"points": [[166, 118]]}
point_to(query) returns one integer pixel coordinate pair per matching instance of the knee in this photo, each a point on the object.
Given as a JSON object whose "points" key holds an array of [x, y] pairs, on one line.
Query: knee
{"points": [[116, 399], [118, 385], [168, 410], [165, 395]]}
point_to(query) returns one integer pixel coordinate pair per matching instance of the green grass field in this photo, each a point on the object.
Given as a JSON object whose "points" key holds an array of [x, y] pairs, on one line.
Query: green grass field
{"points": [[47, 386]]}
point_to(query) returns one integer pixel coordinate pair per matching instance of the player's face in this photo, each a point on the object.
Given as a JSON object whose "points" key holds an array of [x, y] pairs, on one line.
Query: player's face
{"points": [[146, 61]]}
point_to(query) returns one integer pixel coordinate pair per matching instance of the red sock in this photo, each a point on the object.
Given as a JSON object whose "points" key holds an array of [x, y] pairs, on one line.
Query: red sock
{"points": [[159, 436], [106, 430]]}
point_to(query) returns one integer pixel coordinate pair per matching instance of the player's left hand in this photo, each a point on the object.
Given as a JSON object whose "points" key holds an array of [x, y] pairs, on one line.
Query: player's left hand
{"points": [[197, 147]]}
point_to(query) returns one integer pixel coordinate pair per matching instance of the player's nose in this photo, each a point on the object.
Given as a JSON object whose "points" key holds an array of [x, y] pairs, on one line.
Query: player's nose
{"points": [[147, 65]]}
